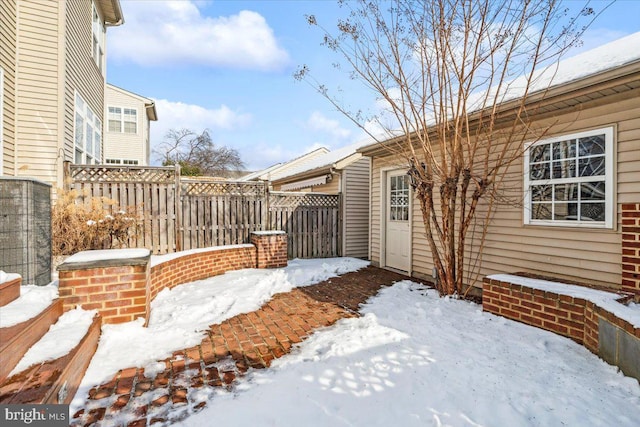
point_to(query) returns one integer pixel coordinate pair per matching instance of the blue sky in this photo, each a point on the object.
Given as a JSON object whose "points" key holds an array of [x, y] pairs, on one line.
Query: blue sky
{"points": [[228, 66]]}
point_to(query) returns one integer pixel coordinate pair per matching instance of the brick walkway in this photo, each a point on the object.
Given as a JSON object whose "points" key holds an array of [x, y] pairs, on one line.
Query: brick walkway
{"points": [[253, 340]]}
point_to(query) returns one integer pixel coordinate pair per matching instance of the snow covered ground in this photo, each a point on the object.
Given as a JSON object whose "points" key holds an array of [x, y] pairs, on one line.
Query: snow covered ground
{"points": [[415, 359], [32, 300], [180, 315], [412, 359]]}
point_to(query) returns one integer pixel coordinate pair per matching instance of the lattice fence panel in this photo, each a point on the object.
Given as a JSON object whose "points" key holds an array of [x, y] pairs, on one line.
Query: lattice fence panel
{"points": [[292, 200], [103, 174], [223, 188]]}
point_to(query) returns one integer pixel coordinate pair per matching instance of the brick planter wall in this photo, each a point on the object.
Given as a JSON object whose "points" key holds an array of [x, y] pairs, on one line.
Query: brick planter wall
{"points": [[121, 286], [116, 286], [200, 265], [271, 247], [576, 318], [631, 248]]}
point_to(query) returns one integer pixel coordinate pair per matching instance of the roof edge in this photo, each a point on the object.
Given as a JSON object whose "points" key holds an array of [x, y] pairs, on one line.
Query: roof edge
{"points": [[544, 97]]}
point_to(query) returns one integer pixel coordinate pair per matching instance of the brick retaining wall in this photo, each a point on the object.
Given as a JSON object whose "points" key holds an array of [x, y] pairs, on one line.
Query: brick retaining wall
{"points": [[121, 287], [200, 265], [631, 248], [271, 248], [575, 318]]}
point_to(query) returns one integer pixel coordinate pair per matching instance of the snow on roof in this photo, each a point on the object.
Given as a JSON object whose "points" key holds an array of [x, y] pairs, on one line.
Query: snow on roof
{"points": [[595, 61], [327, 159], [275, 171], [258, 174], [607, 57]]}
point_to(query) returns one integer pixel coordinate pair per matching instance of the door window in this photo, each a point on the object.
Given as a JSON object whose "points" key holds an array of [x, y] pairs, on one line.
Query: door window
{"points": [[399, 198]]}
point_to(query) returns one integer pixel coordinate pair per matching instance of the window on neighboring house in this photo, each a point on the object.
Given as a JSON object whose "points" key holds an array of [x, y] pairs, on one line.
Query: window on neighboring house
{"points": [[569, 180], [97, 38], [121, 162], [87, 134], [123, 120]]}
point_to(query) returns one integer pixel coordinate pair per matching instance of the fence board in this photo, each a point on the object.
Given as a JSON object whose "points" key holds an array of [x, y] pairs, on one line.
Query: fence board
{"points": [[180, 213]]}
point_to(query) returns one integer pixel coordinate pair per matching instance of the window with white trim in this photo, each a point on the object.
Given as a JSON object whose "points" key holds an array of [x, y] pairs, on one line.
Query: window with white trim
{"points": [[97, 38], [87, 134], [568, 180], [121, 162], [124, 120]]}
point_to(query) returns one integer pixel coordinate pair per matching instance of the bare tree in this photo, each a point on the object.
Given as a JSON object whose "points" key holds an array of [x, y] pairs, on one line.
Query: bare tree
{"points": [[197, 154], [455, 113]]}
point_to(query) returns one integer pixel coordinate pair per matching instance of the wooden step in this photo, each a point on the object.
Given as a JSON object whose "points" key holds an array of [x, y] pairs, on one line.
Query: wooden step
{"points": [[17, 339], [56, 381], [10, 290]]}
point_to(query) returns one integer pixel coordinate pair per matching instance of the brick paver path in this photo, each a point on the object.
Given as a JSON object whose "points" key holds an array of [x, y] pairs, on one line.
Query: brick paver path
{"points": [[230, 349]]}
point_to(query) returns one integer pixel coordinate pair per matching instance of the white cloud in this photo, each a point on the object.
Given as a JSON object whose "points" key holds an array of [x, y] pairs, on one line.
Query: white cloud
{"points": [[317, 121], [178, 115], [170, 33]]}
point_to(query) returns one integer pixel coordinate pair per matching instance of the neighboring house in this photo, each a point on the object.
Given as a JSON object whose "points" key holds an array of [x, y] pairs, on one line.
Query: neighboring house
{"points": [[280, 169], [126, 131], [343, 171], [52, 75], [594, 96]]}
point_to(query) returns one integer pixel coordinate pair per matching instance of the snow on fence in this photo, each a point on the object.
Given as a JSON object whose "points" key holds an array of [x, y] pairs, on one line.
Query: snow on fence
{"points": [[180, 213]]}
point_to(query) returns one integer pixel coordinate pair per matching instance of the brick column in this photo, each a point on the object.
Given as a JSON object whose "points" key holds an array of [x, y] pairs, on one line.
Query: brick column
{"points": [[631, 248], [114, 282], [271, 247]]}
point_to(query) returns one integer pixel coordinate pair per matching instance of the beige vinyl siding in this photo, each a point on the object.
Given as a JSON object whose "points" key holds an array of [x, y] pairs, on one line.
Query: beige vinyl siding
{"points": [[355, 199], [332, 187], [378, 165], [7, 64], [37, 81], [121, 145], [82, 73], [584, 254]]}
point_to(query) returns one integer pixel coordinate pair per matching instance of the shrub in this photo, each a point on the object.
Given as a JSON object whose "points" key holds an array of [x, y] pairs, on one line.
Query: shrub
{"points": [[93, 223]]}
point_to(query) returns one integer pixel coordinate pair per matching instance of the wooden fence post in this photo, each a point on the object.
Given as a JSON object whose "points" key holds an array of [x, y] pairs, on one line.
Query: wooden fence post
{"points": [[178, 209], [66, 175], [266, 215]]}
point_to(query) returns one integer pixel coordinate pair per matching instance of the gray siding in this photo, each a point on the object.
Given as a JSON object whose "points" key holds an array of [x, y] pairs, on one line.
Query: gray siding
{"points": [[355, 186]]}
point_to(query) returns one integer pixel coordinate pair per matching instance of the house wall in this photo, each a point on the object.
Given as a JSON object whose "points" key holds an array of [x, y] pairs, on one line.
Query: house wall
{"points": [[120, 145], [355, 184], [81, 72], [589, 255], [8, 10], [332, 187], [38, 80], [50, 44]]}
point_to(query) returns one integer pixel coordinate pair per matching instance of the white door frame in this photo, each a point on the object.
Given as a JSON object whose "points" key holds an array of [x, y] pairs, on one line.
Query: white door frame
{"points": [[384, 172]]}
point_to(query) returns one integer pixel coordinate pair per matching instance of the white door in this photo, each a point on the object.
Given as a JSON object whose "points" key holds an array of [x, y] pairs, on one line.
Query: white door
{"points": [[397, 222]]}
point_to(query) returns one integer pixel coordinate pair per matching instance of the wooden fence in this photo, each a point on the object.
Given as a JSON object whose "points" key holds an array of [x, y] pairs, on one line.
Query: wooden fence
{"points": [[312, 222], [179, 213]]}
